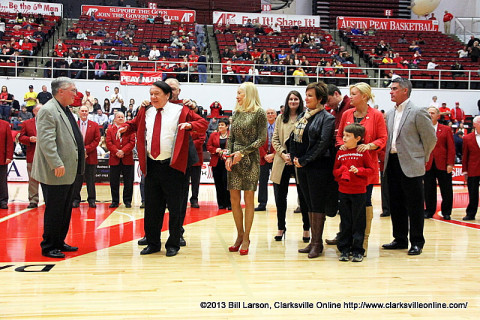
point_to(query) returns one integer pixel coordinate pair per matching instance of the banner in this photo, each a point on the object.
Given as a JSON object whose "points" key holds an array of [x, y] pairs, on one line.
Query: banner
{"points": [[387, 24], [266, 19], [134, 78], [115, 13], [35, 8]]}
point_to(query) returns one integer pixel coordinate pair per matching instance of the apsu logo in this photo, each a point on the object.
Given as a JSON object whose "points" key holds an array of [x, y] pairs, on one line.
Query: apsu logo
{"points": [[226, 18], [187, 17], [90, 11]]}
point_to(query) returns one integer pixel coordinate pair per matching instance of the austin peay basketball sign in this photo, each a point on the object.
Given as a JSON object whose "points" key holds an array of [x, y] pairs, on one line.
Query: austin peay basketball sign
{"points": [[386, 24]]}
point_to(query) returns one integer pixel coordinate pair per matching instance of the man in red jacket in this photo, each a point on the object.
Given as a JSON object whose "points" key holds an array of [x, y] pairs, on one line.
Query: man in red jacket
{"points": [[91, 138], [164, 153], [447, 18], [439, 167], [6, 156], [471, 167], [121, 162], [28, 137]]}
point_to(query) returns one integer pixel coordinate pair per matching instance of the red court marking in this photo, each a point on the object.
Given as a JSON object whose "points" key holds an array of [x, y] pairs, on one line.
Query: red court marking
{"points": [[20, 236]]}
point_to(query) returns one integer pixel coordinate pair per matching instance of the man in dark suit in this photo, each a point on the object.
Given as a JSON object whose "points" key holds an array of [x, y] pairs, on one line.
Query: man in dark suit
{"points": [[471, 167], [59, 158], [91, 138], [439, 167], [28, 137], [163, 142], [267, 152], [121, 162], [411, 139], [6, 156]]}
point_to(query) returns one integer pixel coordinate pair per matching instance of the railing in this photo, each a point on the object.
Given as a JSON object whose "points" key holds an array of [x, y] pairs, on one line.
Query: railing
{"points": [[268, 74]]}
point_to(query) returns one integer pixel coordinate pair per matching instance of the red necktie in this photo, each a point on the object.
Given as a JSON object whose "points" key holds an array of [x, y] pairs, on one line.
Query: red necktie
{"points": [[157, 128]]}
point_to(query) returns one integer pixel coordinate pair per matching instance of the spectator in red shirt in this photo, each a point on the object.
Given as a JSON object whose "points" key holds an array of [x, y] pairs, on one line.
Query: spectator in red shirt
{"points": [[458, 115], [445, 114], [351, 170], [447, 18]]}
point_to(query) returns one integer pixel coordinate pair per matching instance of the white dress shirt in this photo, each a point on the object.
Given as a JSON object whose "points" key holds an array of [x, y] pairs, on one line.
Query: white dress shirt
{"points": [[396, 123], [170, 116]]}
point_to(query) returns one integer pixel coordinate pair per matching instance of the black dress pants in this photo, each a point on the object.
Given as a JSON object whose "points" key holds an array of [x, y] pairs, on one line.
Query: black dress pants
{"points": [[281, 191], [263, 183], [220, 178], [164, 186], [194, 177], [89, 178], [128, 175], [3, 185], [58, 211], [352, 223], [406, 204], [472, 183], [430, 185]]}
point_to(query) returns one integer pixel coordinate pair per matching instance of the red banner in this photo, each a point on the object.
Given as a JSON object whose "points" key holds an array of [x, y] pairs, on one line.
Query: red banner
{"points": [[132, 78], [127, 13], [387, 24]]}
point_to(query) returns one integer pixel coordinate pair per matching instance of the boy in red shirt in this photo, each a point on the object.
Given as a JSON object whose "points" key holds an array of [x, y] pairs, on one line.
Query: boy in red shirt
{"points": [[351, 170]]}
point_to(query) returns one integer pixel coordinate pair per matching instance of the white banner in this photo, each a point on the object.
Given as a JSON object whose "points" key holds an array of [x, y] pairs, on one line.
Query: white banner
{"points": [[17, 170], [266, 19], [29, 7]]}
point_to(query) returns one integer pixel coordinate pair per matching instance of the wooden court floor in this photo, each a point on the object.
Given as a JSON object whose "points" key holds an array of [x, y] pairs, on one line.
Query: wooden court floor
{"points": [[108, 279]]}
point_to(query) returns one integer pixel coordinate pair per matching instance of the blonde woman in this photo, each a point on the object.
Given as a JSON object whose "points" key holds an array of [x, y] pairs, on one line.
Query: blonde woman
{"points": [[374, 140], [247, 134]]}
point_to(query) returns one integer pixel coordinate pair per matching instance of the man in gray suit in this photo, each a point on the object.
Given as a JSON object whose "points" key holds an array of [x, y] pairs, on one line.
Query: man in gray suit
{"points": [[59, 158], [411, 139]]}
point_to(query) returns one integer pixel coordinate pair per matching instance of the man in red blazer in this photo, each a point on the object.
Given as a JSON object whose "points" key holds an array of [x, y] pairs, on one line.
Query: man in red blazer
{"points": [[121, 162], [28, 137], [164, 153], [439, 167], [91, 138], [471, 167], [6, 156], [267, 152]]}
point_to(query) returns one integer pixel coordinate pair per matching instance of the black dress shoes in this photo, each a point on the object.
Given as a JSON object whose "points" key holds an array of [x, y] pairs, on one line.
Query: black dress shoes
{"points": [[183, 243], [194, 204], [385, 214], [3, 206], [92, 204], [55, 253], [32, 205], [468, 218], [446, 217], [113, 205], [142, 206], [394, 245], [414, 251], [149, 250], [261, 208], [143, 241], [427, 215], [75, 204], [171, 252], [68, 248], [128, 205], [221, 207]]}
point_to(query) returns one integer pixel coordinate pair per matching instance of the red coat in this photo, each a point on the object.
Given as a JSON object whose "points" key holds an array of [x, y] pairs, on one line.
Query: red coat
{"points": [[180, 152], [6, 142], [375, 132], [92, 139], [471, 155], [215, 111], [212, 145], [114, 145], [444, 152], [264, 151], [458, 114], [29, 129], [198, 140]]}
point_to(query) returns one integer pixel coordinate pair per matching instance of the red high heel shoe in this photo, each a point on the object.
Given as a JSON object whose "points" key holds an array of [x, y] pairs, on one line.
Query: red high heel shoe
{"points": [[245, 252], [234, 248]]}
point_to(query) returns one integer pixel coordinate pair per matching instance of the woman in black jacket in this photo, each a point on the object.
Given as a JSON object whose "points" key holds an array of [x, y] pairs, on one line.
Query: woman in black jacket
{"points": [[311, 148]]}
